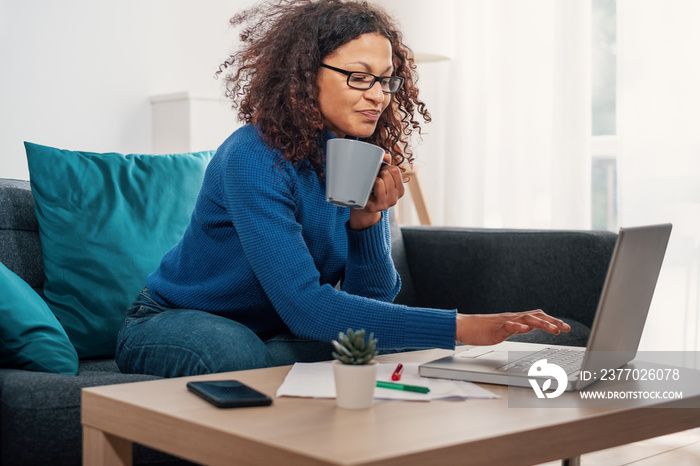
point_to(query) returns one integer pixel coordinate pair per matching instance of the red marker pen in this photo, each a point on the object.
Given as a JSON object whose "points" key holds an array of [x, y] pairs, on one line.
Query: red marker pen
{"points": [[397, 373]]}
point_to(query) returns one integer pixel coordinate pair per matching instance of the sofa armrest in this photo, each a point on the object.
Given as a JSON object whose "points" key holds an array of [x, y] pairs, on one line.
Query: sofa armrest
{"points": [[487, 271]]}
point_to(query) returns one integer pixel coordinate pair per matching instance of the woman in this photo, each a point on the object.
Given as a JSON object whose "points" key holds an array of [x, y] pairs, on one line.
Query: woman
{"points": [[253, 281]]}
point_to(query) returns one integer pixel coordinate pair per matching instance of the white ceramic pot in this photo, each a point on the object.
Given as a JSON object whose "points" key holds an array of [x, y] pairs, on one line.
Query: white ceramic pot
{"points": [[354, 385]]}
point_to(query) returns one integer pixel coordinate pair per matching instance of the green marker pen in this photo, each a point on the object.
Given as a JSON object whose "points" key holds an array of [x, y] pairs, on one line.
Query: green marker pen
{"points": [[404, 387]]}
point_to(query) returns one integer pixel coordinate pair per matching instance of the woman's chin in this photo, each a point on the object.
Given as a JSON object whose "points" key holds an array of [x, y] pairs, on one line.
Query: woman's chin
{"points": [[362, 132]]}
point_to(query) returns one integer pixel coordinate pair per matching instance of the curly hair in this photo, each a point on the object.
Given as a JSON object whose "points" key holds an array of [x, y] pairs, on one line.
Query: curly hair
{"points": [[272, 79]]}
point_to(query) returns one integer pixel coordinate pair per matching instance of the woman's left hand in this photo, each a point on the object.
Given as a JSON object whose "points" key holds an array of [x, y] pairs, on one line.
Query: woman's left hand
{"points": [[490, 329], [388, 189]]}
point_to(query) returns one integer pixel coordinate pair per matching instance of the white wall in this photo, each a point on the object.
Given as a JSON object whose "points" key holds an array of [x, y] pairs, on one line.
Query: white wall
{"points": [[78, 74]]}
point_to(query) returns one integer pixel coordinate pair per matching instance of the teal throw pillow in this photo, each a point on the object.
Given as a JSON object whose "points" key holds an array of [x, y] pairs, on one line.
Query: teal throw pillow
{"points": [[31, 338], [105, 221]]}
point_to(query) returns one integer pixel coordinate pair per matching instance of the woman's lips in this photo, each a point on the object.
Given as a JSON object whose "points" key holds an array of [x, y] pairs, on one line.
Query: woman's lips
{"points": [[371, 114]]}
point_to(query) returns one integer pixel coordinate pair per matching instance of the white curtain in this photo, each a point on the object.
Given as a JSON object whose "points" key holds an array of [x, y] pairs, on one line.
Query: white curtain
{"points": [[509, 142], [511, 105], [659, 153]]}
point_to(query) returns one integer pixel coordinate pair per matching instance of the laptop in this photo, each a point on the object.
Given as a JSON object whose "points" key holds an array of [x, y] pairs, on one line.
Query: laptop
{"points": [[617, 328]]}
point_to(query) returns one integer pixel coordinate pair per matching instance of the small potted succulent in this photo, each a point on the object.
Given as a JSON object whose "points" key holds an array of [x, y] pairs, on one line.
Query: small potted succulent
{"points": [[354, 369]]}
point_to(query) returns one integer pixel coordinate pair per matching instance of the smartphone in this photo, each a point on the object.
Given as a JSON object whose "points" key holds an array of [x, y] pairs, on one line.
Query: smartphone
{"points": [[229, 394]]}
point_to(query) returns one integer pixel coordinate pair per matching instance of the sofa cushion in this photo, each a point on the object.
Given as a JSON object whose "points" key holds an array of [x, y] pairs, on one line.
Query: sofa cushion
{"points": [[31, 337], [398, 254], [40, 415], [487, 271], [105, 221], [19, 233]]}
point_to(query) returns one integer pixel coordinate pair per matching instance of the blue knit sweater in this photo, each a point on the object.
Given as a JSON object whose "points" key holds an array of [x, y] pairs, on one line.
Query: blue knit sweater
{"points": [[264, 248]]}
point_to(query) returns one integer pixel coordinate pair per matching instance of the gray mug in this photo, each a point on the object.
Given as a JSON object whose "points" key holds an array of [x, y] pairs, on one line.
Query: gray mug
{"points": [[351, 169]]}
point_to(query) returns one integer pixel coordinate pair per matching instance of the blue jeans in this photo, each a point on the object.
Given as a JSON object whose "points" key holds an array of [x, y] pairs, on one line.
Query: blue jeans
{"points": [[158, 340]]}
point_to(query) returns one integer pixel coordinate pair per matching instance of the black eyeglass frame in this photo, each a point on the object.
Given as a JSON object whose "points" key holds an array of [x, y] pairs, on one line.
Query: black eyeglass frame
{"points": [[376, 79]]}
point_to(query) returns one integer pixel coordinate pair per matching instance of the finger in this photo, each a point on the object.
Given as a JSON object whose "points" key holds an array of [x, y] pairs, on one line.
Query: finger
{"points": [[540, 314], [513, 328], [392, 187], [398, 180], [563, 326], [535, 322], [392, 194], [380, 187], [378, 196], [551, 325]]}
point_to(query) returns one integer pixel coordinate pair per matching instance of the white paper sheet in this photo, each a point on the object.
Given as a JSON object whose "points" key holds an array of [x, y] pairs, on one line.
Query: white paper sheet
{"points": [[315, 380]]}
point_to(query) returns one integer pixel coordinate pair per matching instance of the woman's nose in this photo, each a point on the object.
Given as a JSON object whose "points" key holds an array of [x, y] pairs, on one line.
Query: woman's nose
{"points": [[375, 93]]}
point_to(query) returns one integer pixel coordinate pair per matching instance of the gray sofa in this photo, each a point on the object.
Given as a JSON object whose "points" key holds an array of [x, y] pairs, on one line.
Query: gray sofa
{"points": [[473, 270]]}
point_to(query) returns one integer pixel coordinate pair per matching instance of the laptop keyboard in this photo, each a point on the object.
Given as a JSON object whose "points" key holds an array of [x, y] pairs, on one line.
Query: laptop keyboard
{"points": [[568, 359]]}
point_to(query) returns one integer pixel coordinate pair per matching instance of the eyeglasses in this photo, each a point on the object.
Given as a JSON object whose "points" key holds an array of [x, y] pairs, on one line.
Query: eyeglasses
{"points": [[364, 81]]}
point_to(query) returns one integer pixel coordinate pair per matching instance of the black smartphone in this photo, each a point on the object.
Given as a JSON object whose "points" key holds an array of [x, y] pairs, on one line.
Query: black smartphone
{"points": [[229, 394]]}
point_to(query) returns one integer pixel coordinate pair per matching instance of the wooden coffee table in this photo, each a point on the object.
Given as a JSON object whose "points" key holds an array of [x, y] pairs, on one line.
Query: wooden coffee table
{"points": [[163, 415]]}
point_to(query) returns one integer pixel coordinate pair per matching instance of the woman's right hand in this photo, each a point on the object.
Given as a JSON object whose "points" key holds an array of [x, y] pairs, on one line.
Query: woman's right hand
{"points": [[388, 189]]}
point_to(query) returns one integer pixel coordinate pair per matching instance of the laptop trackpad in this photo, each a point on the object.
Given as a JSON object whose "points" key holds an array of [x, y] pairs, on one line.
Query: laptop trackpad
{"points": [[485, 356], [493, 359]]}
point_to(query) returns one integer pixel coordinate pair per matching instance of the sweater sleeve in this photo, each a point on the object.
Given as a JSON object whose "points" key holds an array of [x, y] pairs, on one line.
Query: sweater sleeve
{"points": [[369, 269], [259, 197]]}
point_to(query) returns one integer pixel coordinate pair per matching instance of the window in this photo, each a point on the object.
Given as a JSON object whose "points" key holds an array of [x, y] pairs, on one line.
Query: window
{"points": [[604, 115]]}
